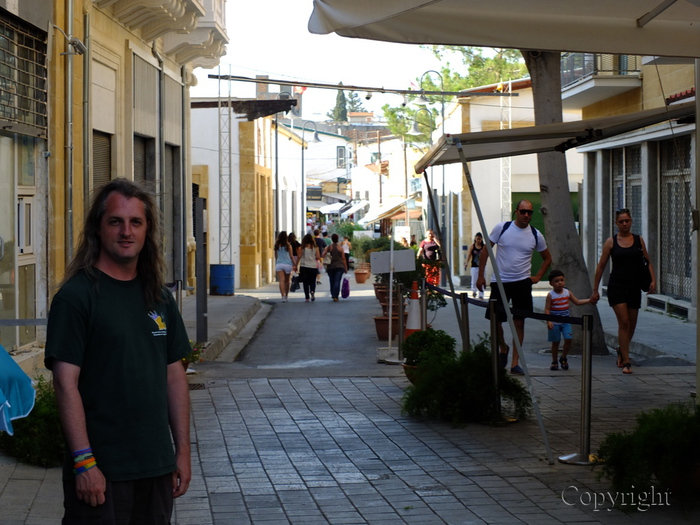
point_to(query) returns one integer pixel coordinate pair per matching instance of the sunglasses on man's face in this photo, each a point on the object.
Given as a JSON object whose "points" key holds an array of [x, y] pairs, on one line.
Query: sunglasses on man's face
{"points": [[525, 212]]}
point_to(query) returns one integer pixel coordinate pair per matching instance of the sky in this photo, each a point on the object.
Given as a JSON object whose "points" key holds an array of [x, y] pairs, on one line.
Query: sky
{"points": [[271, 37]]}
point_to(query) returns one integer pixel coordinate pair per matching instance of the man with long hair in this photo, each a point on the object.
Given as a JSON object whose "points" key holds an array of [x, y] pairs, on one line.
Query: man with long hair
{"points": [[115, 341]]}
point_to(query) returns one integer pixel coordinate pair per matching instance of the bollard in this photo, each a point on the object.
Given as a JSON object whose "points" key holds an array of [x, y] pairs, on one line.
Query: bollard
{"points": [[584, 457], [464, 302], [494, 353]]}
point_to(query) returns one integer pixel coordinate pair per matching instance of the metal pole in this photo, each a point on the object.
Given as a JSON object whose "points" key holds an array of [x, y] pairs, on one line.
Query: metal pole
{"points": [[399, 311], [201, 274], [423, 306], [303, 185], [494, 354], [584, 456], [464, 301]]}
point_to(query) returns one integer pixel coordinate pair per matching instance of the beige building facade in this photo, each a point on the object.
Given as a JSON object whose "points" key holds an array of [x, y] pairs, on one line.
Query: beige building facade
{"points": [[94, 90]]}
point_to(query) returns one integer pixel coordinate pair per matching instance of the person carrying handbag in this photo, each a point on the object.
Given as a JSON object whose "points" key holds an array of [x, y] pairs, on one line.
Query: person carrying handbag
{"points": [[337, 267], [624, 288]]}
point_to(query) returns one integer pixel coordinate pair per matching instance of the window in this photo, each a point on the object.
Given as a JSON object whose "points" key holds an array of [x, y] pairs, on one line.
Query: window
{"points": [[341, 160], [22, 74], [25, 225], [101, 158]]}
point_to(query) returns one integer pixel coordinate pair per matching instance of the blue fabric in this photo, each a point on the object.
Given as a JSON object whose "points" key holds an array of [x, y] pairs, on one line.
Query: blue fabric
{"points": [[335, 275], [16, 392]]}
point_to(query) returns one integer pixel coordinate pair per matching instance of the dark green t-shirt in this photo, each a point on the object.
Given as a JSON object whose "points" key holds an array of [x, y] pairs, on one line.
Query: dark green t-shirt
{"points": [[123, 349]]}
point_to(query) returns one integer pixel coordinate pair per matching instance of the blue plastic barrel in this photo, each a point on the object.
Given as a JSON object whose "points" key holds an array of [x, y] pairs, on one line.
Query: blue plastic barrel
{"points": [[221, 279]]}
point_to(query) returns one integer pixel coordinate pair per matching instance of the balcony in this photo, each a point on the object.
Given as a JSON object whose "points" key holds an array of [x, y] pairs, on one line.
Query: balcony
{"points": [[155, 18], [587, 78], [206, 44]]}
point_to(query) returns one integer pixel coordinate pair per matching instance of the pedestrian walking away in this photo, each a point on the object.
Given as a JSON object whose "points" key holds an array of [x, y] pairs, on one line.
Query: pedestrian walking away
{"points": [[516, 241], [321, 243], [284, 263], [347, 246], [557, 303], [429, 250], [337, 267], [627, 251], [309, 258], [473, 255], [292, 239], [115, 342]]}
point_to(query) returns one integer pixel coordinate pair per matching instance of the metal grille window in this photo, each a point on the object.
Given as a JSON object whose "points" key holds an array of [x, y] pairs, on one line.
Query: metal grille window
{"points": [[101, 158], [617, 172], [22, 74], [626, 171], [676, 253], [633, 184]]}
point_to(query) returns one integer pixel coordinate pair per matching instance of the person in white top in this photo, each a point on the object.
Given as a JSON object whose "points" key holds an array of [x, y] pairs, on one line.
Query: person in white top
{"points": [[347, 246], [516, 241]]}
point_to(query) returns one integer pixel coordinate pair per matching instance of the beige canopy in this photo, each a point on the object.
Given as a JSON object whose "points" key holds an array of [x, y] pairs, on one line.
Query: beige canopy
{"points": [[634, 27], [538, 139]]}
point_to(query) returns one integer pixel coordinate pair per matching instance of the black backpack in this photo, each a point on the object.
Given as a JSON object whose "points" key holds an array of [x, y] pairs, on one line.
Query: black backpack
{"points": [[507, 224]]}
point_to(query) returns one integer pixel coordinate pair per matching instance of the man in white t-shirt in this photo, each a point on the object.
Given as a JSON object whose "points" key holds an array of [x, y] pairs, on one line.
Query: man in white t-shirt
{"points": [[516, 241]]}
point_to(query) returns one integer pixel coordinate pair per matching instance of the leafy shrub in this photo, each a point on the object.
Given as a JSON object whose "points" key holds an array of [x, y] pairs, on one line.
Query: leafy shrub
{"points": [[661, 451], [38, 439], [459, 387], [424, 345]]}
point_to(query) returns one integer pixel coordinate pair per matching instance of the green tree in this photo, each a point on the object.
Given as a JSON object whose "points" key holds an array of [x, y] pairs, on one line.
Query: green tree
{"points": [[340, 111], [475, 70], [355, 103]]}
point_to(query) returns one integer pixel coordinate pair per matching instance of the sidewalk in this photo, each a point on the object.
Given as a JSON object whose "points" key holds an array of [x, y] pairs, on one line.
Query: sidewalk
{"points": [[293, 447]]}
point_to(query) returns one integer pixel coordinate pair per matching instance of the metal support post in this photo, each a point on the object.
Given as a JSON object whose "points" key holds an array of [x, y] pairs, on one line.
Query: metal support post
{"points": [[399, 311], [494, 354], [201, 273], [464, 301], [423, 306], [584, 456]]}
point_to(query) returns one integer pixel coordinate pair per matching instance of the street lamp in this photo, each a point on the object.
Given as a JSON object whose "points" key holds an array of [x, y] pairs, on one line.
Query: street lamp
{"points": [[314, 138], [416, 131], [422, 100]]}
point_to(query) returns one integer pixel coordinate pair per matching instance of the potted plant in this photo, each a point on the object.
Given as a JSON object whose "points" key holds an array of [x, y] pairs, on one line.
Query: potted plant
{"points": [[195, 355], [459, 386], [661, 451], [423, 345]]}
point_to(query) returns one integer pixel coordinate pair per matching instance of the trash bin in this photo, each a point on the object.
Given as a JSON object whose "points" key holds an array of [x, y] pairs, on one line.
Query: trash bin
{"points": [[221, 279]]}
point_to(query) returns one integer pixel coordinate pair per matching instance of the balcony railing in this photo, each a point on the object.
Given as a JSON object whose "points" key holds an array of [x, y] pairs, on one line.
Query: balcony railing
{"points": [[578, 66]]}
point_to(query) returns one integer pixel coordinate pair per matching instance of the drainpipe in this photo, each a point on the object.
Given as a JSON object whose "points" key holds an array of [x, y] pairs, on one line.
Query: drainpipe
{"points": [[87, 135], [68, 162], [184, 169], [161, 124]]}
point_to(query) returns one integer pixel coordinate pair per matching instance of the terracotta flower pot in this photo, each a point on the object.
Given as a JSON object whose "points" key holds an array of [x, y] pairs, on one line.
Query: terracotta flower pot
{"points": [[381, 324], [411, 372], [361, 276]]}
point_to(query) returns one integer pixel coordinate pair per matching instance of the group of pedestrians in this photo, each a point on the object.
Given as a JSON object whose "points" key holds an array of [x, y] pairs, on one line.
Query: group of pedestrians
{"points": [[517, 240], [307, 259]]}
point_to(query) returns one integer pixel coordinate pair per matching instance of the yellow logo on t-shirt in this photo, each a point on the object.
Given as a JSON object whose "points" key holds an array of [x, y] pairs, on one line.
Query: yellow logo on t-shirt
{"points": [[158, 319]]}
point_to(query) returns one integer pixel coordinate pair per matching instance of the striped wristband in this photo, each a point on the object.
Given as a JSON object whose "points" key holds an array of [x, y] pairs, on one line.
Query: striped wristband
{"points": [[83, 461]]}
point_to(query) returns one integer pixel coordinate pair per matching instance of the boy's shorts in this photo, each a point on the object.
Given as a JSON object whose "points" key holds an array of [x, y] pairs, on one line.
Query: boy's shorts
{"points": [[554, 335]]}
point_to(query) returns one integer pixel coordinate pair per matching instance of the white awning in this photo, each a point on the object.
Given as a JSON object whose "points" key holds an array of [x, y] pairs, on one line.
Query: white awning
{"points": [[388, 210], [538, 139], [352, 209], [331, 208], [632, 27]]}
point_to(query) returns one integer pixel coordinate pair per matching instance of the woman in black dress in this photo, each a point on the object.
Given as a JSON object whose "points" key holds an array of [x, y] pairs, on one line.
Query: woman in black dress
{"points": [[624, 293]]}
